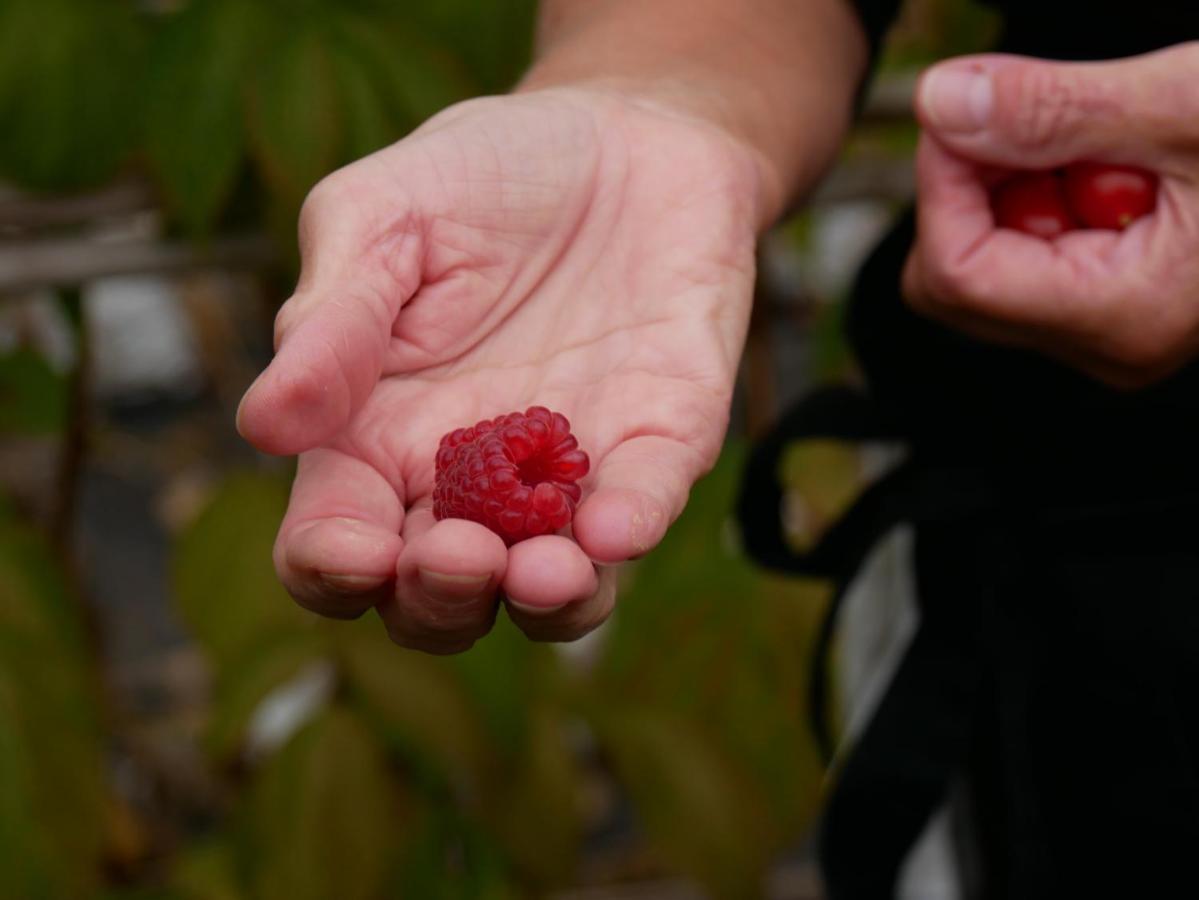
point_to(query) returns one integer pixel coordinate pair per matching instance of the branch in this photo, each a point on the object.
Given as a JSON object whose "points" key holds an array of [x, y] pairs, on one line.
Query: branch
{"points": [[877, 179], [890, 98], [22, 211], [64, 262]]}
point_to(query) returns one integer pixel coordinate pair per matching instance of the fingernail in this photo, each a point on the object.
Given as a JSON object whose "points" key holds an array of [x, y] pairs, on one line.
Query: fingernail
{"points": [[443, 586], [350, 584], [956, 99]]}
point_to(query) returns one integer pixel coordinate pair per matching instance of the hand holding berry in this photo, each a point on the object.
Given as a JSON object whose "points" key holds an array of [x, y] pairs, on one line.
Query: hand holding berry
{"points": [[1122, 305], [568, 247], [517, 474]]}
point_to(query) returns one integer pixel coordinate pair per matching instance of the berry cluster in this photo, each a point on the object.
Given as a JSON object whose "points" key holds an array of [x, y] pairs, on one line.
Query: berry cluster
{"points": [[1083, 195], [517, 474]]}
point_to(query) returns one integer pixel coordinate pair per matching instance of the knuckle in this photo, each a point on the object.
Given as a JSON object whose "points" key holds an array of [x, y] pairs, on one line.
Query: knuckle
{"points": [[1144, 356], [1149, 339], [322, 198], [1172, 110], [322, 205], [285, 318], [943, 286], [1039, 104]]}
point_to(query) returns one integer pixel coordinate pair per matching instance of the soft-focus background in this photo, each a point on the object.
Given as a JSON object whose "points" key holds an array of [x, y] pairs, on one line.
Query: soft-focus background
{"points": [[171, 725]]}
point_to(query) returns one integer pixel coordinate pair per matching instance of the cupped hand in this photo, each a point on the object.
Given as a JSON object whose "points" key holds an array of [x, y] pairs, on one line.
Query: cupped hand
{"points": [[1121, 306], [571, 248]]}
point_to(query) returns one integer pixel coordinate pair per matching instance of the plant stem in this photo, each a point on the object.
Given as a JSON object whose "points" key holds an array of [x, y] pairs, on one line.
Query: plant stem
{"points": [[74, 442]]}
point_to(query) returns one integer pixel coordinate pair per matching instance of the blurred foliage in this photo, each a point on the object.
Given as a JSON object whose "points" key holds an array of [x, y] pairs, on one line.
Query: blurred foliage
{"points": [[417, 776], [70, 90], [33, 396], [51, 751], [215, 91], [403, 738], [930, 30], [700, 694]]}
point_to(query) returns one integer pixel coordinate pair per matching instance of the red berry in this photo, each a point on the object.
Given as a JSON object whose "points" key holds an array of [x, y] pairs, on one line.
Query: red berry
{"points": [[1032, 202], [1107, 196], [517, 474]]}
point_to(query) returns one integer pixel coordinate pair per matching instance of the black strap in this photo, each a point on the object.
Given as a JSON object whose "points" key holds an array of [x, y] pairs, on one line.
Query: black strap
{"points": [[1014, 587], [838, 412], [893, 778], [901, 766], [912, 491]]}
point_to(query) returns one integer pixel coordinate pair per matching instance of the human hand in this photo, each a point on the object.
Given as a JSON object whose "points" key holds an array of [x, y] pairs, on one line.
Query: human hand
{"points": [[1121, 306], [571, 248]]}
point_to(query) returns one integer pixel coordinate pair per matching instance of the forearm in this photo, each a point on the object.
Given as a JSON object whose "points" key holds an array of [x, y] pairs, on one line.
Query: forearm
{"points": [[778, 75]]}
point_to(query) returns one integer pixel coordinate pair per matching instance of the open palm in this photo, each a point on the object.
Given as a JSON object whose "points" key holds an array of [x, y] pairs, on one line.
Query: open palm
{"points": [[570, 249]]}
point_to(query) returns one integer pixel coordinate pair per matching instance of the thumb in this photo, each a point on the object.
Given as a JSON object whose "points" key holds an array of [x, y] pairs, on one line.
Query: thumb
{"points": [[1020, 112], [325, 368], [333, 334]]}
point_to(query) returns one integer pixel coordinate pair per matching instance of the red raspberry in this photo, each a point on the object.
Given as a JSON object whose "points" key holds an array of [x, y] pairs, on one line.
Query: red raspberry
{"points": [[1108, 196], [1033, 202], [516, 474]]}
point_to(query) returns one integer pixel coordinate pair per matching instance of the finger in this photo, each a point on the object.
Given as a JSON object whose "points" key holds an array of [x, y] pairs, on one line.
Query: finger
{"points": [[969, 267], [333, 334], [447, 579], [1096, 324], [1026, 113], [638, 489], [554, 592], [338, 545]]}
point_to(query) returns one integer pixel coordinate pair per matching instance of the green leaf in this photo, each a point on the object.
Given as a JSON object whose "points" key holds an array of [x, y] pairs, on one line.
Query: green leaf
{"points": [[33, 396], [424, 80], [34, 602], [546, 787], [703, 636], [51, 777], [295, 125], [70, 92], [21, 858], [241, 685], [206, 871], [447, 857], [824, 477], [492, 39], [324, 816], [369, 122], [832, 357], [698, 807], [195, 122], [225, 583], [693, 592], [418, 700], [505, 674], [412, 78]]}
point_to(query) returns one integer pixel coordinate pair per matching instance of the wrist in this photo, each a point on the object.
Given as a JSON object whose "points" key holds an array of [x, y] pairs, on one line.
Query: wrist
{"points": [[681, 101], [776, 77]]}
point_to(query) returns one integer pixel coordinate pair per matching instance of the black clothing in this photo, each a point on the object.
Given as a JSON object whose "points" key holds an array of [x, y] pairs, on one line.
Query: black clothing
{"points": [[1056, 666]]}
